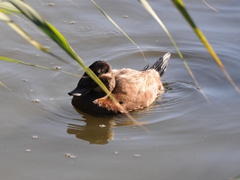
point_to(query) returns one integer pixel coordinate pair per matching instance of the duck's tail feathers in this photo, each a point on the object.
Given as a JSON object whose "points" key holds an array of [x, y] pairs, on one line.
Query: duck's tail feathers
{"points": [[160, 65]]}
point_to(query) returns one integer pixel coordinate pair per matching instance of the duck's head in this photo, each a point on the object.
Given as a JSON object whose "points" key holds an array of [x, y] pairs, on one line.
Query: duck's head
{"points": [[103, 71]]}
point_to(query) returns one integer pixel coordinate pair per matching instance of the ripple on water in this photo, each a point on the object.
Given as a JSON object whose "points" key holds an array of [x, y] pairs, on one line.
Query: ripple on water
{"points": [[110, 33], [86, 28], [173, 103]]}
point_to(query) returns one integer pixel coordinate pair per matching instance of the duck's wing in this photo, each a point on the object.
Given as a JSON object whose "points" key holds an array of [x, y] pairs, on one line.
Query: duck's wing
{"points": [[134, 90]]}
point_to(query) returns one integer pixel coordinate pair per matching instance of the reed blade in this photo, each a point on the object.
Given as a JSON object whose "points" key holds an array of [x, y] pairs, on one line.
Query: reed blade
{"points": [[181, 7], [119, 28], [210, 6], [5, 86], [34, 65], [147, 6]]}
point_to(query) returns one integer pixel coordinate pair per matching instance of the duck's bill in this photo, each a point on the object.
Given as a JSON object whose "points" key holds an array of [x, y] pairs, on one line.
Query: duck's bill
{"points": [[74, 94], [79, 92]]}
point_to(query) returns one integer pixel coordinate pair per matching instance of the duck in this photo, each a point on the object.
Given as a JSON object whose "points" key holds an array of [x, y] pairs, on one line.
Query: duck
{"points": [[133, 89]]}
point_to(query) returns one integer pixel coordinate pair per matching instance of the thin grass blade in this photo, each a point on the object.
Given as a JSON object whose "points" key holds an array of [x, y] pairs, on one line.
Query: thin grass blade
{"points": [[5, 86], [205, 2], [180, 5], [41, 2], [73, 3], [34, 65], [147, 6], [120, 29]]}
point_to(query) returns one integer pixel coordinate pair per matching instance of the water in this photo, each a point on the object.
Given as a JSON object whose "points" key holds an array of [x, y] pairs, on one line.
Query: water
{"points": [[188, 138]]}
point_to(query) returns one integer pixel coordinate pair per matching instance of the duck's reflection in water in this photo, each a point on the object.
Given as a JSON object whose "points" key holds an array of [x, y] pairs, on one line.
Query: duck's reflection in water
{"points": [[97, 130]]}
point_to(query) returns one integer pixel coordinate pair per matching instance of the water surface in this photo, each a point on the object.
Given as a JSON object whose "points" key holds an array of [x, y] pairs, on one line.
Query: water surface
{"points": [[188, 138]]}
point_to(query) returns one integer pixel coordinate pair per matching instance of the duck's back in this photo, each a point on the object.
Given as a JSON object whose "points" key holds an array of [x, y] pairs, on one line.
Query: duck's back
{"points": [[134, 90]]}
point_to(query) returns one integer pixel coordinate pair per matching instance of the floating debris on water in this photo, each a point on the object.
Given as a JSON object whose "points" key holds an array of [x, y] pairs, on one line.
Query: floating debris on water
{"points": [[116, 152], [46, 47], [34, 137], [24, 80], [28, 150], [50, 4], [57, 68], [69, 155], [72, 22], [35, 100], [136, 155]]}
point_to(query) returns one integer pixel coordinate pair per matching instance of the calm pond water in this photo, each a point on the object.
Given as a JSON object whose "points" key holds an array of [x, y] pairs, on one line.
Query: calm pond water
{"points": [[188, 138]]}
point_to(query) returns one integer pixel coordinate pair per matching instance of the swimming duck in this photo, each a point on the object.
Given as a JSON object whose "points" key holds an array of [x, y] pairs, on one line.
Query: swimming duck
{"points": [[133, 89]]}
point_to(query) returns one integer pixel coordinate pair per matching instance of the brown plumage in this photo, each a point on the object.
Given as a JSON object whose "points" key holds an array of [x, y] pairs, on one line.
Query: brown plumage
{"points": [[132, 89]]}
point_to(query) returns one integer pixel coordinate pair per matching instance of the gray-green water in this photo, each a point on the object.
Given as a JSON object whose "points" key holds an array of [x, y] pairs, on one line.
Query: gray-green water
{"points": [[188, 139]]}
